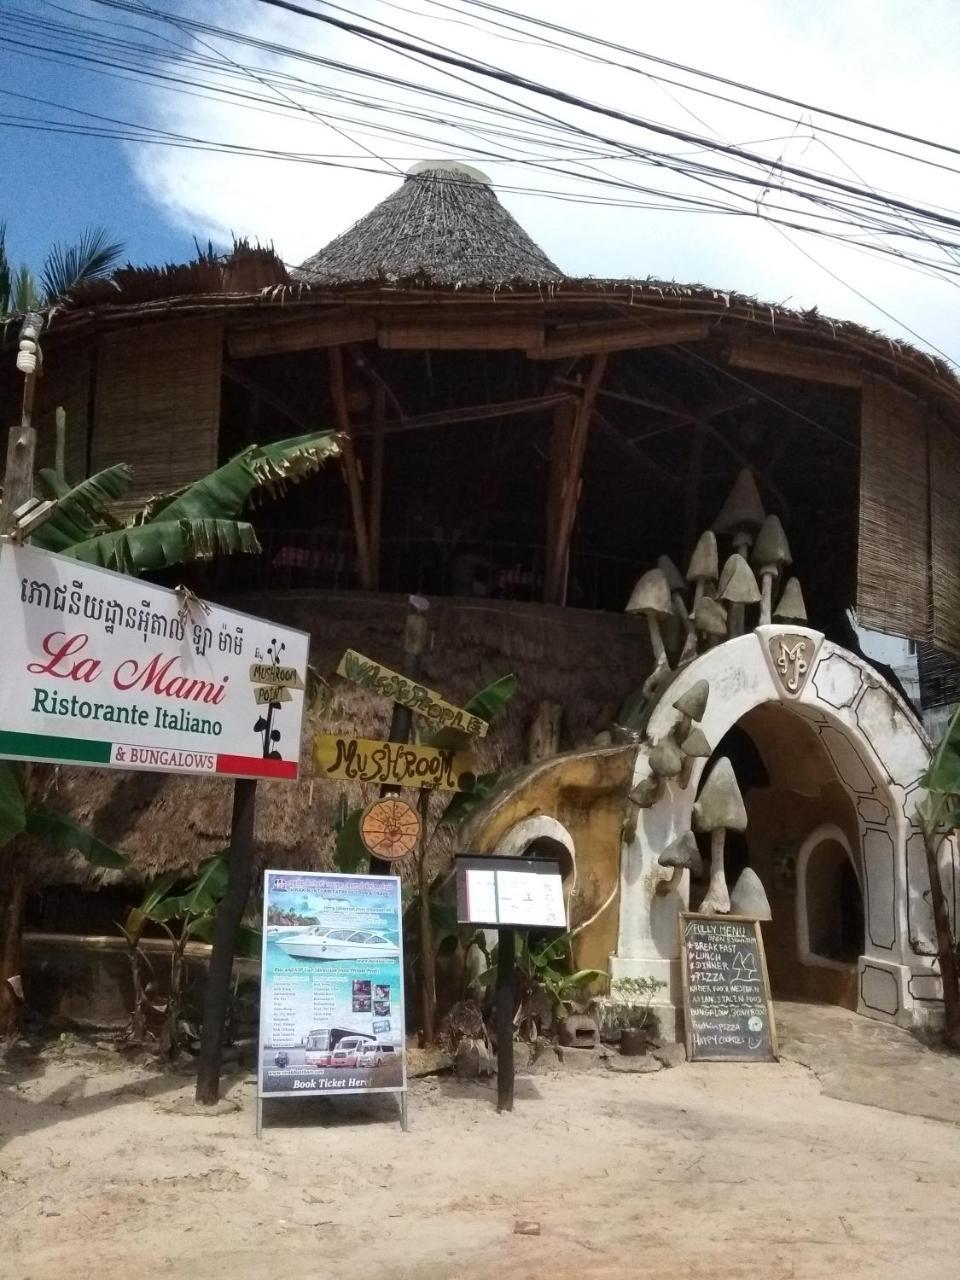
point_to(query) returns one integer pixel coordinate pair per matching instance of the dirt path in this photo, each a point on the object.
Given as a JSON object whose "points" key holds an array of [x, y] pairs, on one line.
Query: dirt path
{"points": [[705, 1171]]}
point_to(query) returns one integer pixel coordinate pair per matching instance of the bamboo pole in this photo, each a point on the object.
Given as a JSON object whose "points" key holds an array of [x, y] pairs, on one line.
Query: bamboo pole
{"points": [[351, 469], [558, 546]]}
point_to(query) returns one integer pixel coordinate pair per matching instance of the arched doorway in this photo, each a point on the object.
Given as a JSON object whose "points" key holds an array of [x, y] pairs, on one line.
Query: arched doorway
{"points": [[802, 841], [841, 750]]}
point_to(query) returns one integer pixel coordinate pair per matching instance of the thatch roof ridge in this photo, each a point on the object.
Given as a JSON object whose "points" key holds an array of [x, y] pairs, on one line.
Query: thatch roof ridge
{"points": [[443, 225]]}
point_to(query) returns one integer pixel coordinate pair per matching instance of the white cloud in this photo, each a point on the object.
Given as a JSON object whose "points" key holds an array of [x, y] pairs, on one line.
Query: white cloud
{"points": [[874, 61]]}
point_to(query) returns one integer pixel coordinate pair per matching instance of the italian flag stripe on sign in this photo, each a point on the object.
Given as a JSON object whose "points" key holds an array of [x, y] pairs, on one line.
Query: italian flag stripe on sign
{"points": [[40, 746]]}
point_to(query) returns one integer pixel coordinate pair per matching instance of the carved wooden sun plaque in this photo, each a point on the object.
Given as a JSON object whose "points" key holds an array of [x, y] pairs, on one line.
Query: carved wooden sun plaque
{"points": [[390, 828]]}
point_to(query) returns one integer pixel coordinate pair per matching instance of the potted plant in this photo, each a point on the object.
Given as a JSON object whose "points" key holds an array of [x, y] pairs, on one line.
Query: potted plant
{"points": [[629, 1011]]}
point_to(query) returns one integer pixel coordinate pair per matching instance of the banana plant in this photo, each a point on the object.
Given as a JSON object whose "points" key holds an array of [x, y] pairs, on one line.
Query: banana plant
{"points": [[197, 522], [185, 915]]}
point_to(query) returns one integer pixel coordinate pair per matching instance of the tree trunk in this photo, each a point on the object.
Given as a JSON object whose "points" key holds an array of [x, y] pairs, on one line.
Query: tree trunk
{"points": [[428, 979], [11, 947], [543, 740], [229, 915], [946, 944]]}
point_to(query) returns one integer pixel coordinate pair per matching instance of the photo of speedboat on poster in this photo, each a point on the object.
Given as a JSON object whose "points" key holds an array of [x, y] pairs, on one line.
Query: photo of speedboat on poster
{"points": [[322, 943]]}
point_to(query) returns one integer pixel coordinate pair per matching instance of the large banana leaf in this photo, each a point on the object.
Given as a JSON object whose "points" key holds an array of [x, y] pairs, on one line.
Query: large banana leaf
{"points": [[59, 831], [164, 543], [13, 815], [224, 493], [201, 895], [83, 510], [486, 704]]}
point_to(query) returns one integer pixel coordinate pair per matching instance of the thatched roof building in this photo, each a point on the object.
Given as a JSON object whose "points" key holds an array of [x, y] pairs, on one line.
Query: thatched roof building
{"points": [[443, 226], [512, 433]]}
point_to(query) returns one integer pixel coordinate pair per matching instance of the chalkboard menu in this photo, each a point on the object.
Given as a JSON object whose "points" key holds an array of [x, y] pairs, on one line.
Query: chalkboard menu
{"points": [[727, 1011]]}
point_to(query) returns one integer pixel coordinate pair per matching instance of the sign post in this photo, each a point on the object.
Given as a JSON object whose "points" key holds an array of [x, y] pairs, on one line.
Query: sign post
{"points": [[331, 1004], [508, 894]]}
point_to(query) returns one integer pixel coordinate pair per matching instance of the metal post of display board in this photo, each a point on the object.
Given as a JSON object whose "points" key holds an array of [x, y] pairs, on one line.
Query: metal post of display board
{"points": [[506, 964]]}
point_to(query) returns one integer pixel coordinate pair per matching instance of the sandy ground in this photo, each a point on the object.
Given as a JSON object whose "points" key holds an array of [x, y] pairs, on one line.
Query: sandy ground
{"points": [[706, 1171]]}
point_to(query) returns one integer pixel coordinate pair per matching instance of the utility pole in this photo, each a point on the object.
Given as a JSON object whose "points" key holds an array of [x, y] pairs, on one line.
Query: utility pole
{"points": [[22, 440]]}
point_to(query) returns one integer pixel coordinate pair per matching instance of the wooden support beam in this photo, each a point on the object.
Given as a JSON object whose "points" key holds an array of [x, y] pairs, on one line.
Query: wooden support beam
{"points": [[591, 339], [558, 546], [491, 334], [256, 388], [373, 375], [376, 481], [631, 450], [788, 360], [273, 337], [351, 469], [472, 413]]}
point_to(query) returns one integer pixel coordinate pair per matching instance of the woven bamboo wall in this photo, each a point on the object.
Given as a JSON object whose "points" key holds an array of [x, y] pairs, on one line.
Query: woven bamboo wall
{"points": [[158, 402], [893, 574], [65, 383], [945, 536]]}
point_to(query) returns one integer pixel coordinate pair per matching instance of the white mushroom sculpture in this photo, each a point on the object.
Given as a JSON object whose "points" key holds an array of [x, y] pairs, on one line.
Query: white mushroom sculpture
{"points": [[771, 552], [680, 855], [651, 597], [704, 565], [791, 607], [742, 514], [719, 809], [738, 588]]}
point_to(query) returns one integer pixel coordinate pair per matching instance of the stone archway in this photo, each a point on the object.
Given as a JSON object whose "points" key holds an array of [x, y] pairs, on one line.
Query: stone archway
{"points": [[879, 752]]}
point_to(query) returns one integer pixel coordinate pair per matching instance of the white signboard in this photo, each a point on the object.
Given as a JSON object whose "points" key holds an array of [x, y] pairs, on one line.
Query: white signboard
{"points": [[107, 670], [504, 892]]}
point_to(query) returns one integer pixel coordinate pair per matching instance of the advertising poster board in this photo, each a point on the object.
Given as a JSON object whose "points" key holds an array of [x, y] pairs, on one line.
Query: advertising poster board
{"points": [[106, 670], [331, 993]]}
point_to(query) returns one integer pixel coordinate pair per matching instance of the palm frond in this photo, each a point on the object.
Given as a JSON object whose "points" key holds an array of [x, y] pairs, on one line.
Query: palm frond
{"points": [[69, 265], [6, 282], [24, 295], [224, 493], [83, 510], [165, 543]]}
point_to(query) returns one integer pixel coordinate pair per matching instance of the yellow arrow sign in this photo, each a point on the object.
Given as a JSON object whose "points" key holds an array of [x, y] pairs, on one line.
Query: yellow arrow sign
{"points": [[371, 760], [379, 679]]}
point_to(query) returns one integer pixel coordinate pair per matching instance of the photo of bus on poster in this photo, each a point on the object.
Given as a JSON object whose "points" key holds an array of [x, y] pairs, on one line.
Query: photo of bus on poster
{"points": [[331, 993]]}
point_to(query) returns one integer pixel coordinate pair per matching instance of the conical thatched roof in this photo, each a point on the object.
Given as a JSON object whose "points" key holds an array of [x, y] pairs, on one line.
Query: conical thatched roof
{"points": [[443, 226]]}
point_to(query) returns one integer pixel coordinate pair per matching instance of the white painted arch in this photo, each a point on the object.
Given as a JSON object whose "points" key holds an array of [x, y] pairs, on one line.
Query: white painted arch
{"points": [[879, 751]]}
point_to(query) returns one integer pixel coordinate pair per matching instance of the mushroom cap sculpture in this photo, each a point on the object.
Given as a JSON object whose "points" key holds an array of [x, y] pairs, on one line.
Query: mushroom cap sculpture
{"points": [[710, 618], [738, 588], [651, 597], [771, 552], [719, 809], [682, 854], [666, 759], [771, 547], [749, 898], [704, 563], [743, 509], [693, 703], [675, 579], [737, 583], [645, 793], [695, 744], [791, 607]]}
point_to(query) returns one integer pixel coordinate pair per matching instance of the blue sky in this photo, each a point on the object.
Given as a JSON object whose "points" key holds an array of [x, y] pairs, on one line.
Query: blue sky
{"points": [[54, 186], [870, 58]]}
